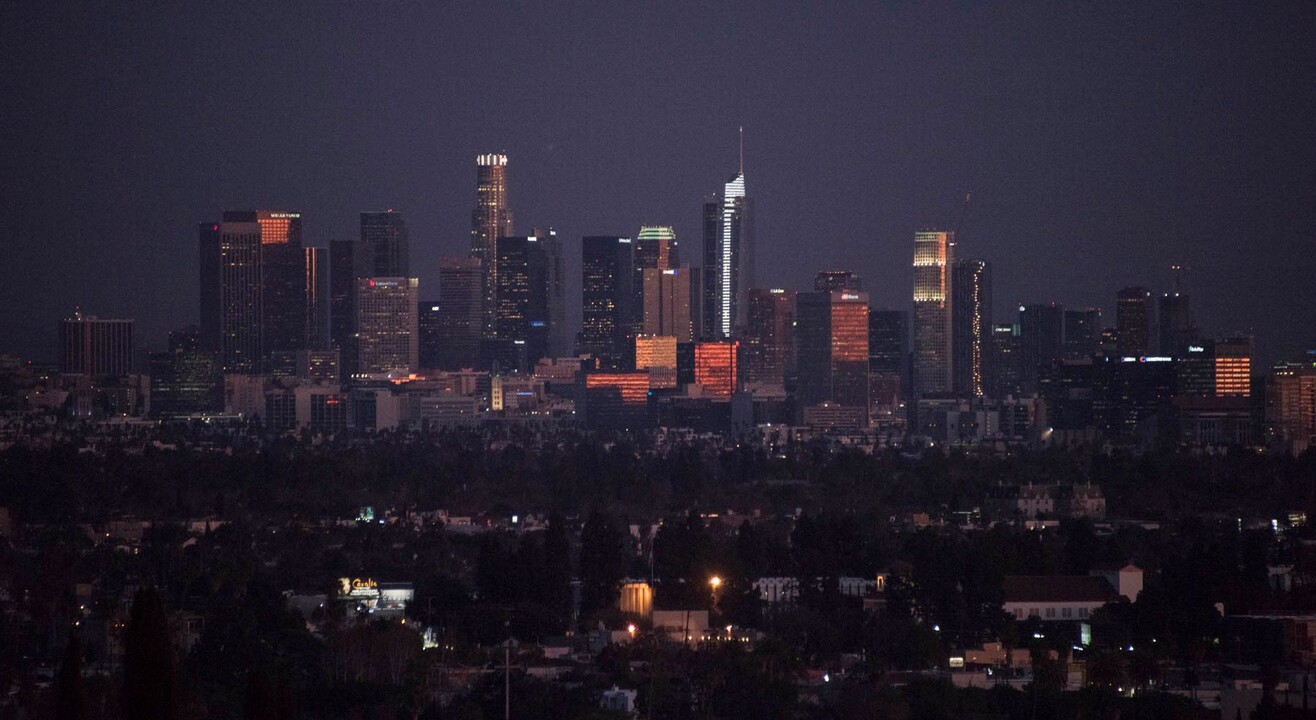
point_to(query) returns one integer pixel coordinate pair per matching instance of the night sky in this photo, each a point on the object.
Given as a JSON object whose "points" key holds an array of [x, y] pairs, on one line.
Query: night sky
{"points": [[1102, 141]]}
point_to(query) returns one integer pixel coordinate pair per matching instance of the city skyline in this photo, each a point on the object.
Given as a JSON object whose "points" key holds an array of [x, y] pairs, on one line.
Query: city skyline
{"points": [[1081, 186]]}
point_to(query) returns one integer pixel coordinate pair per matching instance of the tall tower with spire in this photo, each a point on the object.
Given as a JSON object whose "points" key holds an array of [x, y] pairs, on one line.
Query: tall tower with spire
{"points": [[728, 256], [491, 219]]}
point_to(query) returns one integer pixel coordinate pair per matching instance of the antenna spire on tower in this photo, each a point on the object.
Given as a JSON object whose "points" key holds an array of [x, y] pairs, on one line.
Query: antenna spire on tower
{"points": [[742, 149]]}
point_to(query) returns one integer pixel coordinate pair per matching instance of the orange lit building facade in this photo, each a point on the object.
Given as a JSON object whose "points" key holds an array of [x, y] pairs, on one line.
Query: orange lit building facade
{"points": [[716, 367]]}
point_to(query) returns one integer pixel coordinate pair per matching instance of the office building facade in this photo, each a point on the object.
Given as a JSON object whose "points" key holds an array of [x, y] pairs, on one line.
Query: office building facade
{"points": [[769, 345], [932, 362], [606, 296], [490, 220], [728, 259], [1133, 322], [388, 339], [831, 340], [96, 347], [385, 235], [971, 325], [461, 312]]}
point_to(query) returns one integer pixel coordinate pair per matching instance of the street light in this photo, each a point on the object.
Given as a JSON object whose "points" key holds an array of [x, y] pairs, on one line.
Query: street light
{"points": [[716, 582]]}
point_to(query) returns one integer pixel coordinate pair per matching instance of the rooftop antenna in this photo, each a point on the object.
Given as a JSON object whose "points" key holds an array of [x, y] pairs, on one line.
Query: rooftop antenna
{"points": [[742, 150], [1178, 277], [964, 213]]}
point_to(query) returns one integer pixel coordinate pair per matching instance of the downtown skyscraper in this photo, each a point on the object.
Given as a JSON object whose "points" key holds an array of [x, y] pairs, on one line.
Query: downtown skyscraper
{"points": [[490, 220], [831, 345], [932, 343], [232, 307], [385, 235], [607, 274], [769, 344], [728, 257], [971, 325]]}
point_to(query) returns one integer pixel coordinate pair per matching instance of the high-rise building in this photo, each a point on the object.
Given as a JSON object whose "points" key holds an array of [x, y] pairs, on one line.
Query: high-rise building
{"points": [[655, 351], [1007, 376], [971, 325], [716, 367], [1290, 411], [667, 294], [232, 307], [385, 234], [829, 280], [932, 347], [96, 347], [655, 249], [186, 379], [1041, 340], [387, 334], [888, 362], [461, 312], [429, 326], [728, 257], [831, 341], [1175, 324], [522, 315], [490, 220], [559, 339], [348, 260], [606, 296], [769, 346], [1216, 368], [1082, 333], [283, 284], [1133, 322], [318, 300]]}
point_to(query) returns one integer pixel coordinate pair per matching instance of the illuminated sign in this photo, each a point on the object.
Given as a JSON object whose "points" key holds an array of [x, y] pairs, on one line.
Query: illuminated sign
{"points": [[358, 587], [1196, 348], [849, 296]]}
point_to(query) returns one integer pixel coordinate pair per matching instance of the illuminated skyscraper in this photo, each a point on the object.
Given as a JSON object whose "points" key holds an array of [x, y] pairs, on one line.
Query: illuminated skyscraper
{"points": [[461, 312], [971, 325], [655, 351], [1133, 321], [831, 341], [716, 367], [385, 234], [667, 295], [491, 219], [607, 271], [522, 315], [231, 294], [1216, 368], [387, 333], [769, 336], [96, 347], [655, 249], [728, 257], [932, 348]]}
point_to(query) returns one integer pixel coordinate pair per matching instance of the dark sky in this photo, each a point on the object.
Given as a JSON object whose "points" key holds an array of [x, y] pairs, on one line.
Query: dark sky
{"points": [[1101, 141]]}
